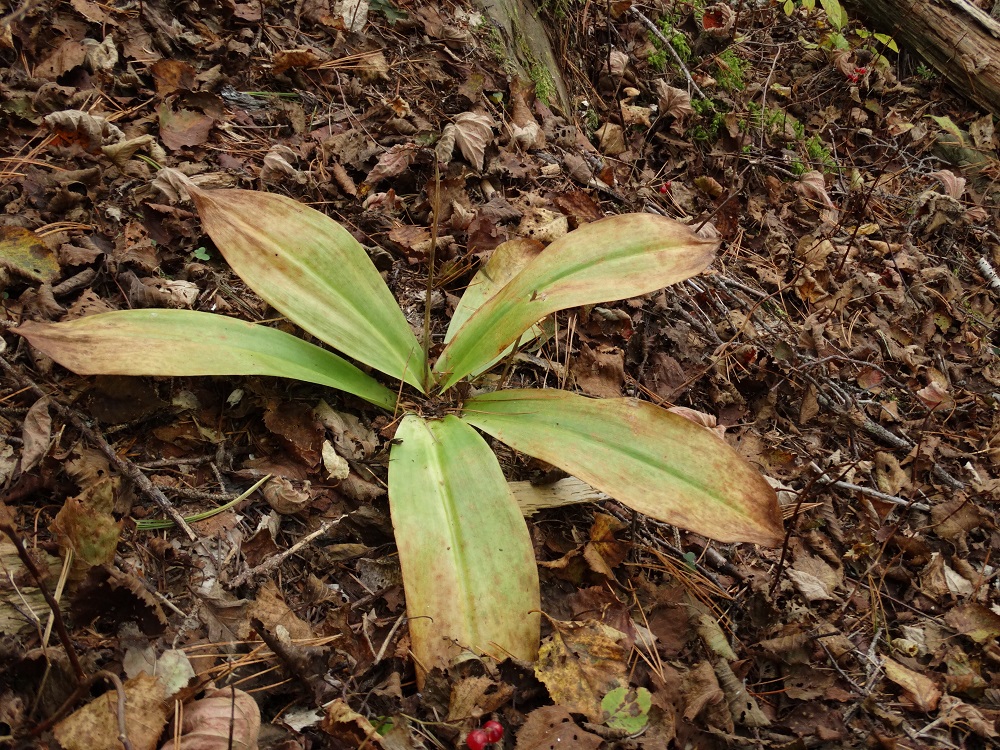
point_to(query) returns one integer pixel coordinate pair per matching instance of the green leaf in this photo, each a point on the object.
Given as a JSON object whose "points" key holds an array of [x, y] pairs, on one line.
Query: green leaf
{"points": [[626, 709], [310, 269], [185, 342], [946, 123], [656, 462], [614, 258], [503, 265], [835, 12], [469, 571]]}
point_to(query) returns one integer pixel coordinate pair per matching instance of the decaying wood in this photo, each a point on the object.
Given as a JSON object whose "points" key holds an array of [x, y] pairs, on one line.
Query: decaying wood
{"points": [[957, 39], [527, 43]]}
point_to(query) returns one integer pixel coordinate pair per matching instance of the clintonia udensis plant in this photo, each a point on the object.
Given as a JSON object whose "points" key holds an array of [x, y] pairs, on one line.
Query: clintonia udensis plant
{"points": [[469, 572]]}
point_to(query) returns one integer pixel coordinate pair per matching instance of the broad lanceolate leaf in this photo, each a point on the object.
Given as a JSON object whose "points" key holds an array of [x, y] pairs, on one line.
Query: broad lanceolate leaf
{"points": [[184, 342], [614, 258], [310, 269], [657, 463], [504, 264], [468, 568]]}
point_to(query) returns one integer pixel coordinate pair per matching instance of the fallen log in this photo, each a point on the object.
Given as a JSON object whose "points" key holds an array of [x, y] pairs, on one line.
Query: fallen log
{"points": [[957, 39]]}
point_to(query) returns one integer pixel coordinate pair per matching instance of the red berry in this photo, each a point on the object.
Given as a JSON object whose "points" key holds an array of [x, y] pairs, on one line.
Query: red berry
{"points": [[665, 187], [477, 739], [494, 731]]}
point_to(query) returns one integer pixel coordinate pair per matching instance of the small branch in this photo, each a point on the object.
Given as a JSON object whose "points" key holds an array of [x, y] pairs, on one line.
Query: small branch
{"points": [[877, 431], [273, 562], [7, 527], [987, 271], [124, 466], [677, 58], [903, 502]]}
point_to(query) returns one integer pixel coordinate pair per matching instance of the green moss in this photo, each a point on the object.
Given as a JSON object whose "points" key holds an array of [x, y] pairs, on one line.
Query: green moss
{"points": [[709, 121], [730, 71], [820, 155], [659, 59], [545, 84]]}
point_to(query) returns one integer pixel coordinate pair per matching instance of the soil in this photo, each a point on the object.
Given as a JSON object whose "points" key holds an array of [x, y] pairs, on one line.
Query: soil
{"points": [[844, 338]]}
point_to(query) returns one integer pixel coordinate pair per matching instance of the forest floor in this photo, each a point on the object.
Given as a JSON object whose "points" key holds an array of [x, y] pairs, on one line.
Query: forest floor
{"points": [[845, 337]]}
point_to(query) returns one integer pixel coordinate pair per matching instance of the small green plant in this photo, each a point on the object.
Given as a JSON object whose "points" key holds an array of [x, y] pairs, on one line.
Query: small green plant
{"points": [[925, 73], [820, 154], [202, 254], [709, 122], [659, 59], [469, 573], [730, 71]]}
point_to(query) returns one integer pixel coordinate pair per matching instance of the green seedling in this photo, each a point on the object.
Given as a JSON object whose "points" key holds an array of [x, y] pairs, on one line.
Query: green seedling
{"points": [[469, 572]]}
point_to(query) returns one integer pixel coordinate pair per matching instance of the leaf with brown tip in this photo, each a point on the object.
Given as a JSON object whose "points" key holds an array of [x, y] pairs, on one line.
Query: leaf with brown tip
{"points": [[655, 462]]}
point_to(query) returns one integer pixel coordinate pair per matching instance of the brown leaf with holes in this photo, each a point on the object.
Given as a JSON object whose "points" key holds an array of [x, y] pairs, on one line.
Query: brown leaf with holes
{"points": [[581, 663], [552, 726]]}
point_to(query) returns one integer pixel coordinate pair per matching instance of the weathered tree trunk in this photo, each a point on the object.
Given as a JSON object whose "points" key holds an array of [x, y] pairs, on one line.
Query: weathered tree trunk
{"points": [[528, 48], [956, 38]]}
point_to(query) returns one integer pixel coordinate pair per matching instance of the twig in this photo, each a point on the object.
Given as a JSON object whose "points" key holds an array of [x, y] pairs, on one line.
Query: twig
{"points": [[7, 527], [677, 58], [825, 480], [124, 466], [82, 689], [987, 270], [273, 562], [18, 13], [885, 437]]}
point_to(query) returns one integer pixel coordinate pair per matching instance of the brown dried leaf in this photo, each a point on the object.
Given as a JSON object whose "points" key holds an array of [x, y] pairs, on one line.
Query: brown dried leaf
{"points": [[36, 432], [673, 102], [920, 689], [226, 719], [599, 372], [552, 726], [23, 252], [709, 186], [812, 186], [979, 623], [610, 139], [953, 185], [393, 162], [183, 128], [346, 727], [295, 58], [284, 497], [473, 133], [581, 663], [95, 726]]}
